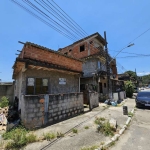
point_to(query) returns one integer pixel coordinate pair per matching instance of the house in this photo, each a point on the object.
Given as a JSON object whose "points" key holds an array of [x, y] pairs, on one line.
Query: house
{"points": [[47, 85], [91, 51]]}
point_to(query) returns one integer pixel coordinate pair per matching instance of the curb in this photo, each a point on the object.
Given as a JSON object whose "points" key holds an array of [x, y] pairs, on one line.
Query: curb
{"points": [[117, 136]]}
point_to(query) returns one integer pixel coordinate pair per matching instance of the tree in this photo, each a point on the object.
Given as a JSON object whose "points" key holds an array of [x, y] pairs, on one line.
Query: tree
{"points": [[132, 74], [129, 88]]}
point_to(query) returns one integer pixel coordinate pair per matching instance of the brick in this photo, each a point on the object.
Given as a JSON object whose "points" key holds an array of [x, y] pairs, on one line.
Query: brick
{"points": [[55, 110], [41, 101], [36, 110], [39, 114], [31, 106], [31, 115]]}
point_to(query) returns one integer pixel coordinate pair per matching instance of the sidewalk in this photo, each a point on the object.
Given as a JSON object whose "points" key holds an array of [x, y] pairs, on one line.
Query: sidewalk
{"points": [[85, 137]]}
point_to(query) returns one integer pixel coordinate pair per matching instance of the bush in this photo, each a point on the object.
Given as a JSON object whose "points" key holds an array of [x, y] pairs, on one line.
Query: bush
{"points": [[129, 88], [4, 102], [19, 137]]}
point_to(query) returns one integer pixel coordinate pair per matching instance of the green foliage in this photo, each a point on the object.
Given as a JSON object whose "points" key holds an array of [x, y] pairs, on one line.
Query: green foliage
{"points": [[89, 148], [146, 79], [4, 102], [59, 134], [104, 127], [130, 114], [132, 74], [19, 138], [86, 127], [18, 131], [31, 138], [129, 88], [49, 136], [74, 130]]}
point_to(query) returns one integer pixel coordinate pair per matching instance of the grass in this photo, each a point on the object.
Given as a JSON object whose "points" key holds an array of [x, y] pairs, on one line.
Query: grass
{"points": [[59, 134], [130, 114], [86, 127], [49, 136], [18, 137], [74, 130], [89, 148], [104, 126]]}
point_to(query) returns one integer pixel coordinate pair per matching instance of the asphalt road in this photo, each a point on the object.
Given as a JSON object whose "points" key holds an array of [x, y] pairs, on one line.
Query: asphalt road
{"points": [[137, 136]]}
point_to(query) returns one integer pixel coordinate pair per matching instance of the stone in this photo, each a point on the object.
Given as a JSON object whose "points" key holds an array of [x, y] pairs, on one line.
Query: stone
{"points": [[113, 123]]}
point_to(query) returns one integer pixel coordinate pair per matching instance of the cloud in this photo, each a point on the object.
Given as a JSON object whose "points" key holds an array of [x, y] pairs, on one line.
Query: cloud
{"points": [[143, 73]]}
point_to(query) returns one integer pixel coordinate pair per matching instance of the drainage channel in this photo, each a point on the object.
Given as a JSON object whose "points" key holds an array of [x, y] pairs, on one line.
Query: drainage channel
{"points": [[69, 131]]}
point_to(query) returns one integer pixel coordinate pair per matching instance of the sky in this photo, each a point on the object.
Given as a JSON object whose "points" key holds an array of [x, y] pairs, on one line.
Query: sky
{"points": [[123, 21]]}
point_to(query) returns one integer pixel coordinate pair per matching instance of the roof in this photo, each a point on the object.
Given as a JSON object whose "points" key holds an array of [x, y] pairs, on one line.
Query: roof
{"points": [[6, 83], [20, 62], [98, 36], [47, 49]]}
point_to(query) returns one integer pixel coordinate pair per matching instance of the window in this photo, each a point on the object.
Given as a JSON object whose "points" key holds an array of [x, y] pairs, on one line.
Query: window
{"points": [[91, 42], [104, 85], [70, 50], [82, 48], [37, 86]]}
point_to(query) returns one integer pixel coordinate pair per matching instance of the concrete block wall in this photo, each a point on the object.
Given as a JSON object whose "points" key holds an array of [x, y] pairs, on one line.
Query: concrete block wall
{"points": [[8, 91], [60, 107], [94, 101]]}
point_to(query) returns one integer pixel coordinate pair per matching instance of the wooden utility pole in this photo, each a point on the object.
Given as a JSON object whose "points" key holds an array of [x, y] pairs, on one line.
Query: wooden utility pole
{"points": [[107, 65]]}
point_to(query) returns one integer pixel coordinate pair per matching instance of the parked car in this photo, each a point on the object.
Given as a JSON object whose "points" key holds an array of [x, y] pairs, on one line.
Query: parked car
{"points": [[143, 99]]}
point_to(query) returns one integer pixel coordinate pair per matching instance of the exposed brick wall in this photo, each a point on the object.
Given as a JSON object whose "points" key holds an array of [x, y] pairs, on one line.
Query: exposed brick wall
{"points": [[60, 107], [75, 50], [33, 52]]}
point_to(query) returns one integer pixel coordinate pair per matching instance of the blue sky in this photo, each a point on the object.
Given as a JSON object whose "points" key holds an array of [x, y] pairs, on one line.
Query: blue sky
{"points": [[123, 21]]}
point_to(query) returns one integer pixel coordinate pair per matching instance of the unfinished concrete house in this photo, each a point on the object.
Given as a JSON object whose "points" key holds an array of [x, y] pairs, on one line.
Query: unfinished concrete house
{"points": [[91, 51], [47, 85]]}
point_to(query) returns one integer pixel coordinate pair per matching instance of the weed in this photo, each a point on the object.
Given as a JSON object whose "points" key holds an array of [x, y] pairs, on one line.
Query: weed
{"points": [[89, 148], [112, 144], [19, 131], [130, 114], [99, 120], [59, 134], [104, 127], [86, 127], [49, 136], [1, 144], [31, 138], [74, 130], [19, 138], [102, 143]]}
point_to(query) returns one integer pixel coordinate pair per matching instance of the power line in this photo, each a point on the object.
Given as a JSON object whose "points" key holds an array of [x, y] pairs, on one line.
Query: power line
{"points": [[49, 18], [42, 20], [57, 18], [71, 20], [62, 17], [140, 35], [134, 56], [129, 53]]}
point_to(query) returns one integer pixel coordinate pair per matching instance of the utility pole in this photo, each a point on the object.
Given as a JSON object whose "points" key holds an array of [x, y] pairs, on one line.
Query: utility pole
{"points": [[107, 65]]}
